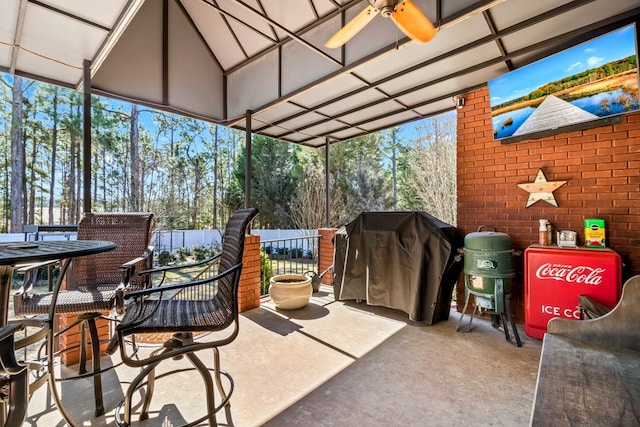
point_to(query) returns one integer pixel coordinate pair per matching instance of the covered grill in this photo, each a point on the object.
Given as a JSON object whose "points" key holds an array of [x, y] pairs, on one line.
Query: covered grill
{"points": [[402, 260], [488, 275]]}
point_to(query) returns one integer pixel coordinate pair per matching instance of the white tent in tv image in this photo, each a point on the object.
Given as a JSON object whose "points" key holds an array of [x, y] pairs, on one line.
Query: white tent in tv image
{"points": [[585, 83]]}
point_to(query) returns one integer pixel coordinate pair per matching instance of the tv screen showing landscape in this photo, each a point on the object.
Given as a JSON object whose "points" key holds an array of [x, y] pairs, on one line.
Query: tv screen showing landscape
{"points": [[590, 81]]}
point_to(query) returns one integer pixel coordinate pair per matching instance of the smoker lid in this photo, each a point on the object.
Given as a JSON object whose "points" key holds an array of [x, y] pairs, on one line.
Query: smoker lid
{"points": [[487, 241]]}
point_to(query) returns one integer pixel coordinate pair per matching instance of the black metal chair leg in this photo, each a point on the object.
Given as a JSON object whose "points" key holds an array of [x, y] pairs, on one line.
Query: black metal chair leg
{"points": [[82, 364], [97, 378], [52, 378], [18, 398], [223, 393], [208, 384], [151, 386], [15, 410], [128, 398]]}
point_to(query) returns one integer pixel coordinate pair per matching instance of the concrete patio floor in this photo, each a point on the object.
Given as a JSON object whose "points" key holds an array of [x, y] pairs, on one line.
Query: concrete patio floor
{"points": [[337, 364]]}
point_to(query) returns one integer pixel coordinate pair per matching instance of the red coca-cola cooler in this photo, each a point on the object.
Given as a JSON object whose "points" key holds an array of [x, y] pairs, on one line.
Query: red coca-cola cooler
{"points": [[555, 277]]}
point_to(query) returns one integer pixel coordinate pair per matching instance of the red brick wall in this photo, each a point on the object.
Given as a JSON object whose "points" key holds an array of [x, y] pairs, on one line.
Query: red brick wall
{"points": [[249, 287], [325, 253], [71, 338], [601, 167]]}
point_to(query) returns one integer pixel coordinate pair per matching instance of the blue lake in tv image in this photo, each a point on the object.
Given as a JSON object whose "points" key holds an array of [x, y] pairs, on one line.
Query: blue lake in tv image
{"points": [[601, 104], [505, 124], [607, 103]]}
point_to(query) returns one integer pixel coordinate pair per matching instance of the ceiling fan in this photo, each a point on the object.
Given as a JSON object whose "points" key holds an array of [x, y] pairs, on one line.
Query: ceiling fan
{"points": [[406, 15]]}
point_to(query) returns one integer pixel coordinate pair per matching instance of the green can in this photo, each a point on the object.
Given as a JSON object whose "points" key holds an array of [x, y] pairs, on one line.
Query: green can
{"points": [[594, 234]]}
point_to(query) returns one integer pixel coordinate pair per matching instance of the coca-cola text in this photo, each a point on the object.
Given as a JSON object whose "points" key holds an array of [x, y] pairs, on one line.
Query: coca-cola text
{"points": [[582, 274]]}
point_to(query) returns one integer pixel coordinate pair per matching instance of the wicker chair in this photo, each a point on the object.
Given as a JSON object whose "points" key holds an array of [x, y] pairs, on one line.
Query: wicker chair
{"points": [[94, 285], [185, 310]]}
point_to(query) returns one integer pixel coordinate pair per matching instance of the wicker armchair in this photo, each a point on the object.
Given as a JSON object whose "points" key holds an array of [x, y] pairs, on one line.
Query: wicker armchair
{"points": [[186, 310], [94, 284]]}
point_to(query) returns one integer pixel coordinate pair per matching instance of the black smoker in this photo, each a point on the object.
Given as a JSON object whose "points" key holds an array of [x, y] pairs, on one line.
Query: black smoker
{"points": [[488, 275]]}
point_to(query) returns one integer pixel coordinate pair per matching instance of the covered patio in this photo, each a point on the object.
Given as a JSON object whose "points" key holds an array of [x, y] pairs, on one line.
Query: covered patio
{"points": [[261, 66], [338, 363]]}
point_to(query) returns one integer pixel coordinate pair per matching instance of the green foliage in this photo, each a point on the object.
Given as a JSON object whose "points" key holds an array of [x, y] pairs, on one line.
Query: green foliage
{"points": [[201, 253], [183, 254], [358, 168], [266, 272], [275, 170], [283, 252], [190, 174], [165, 258]]}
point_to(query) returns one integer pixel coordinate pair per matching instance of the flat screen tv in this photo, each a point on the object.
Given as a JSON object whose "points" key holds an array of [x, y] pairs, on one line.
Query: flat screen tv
{"points": [[580, 85]]}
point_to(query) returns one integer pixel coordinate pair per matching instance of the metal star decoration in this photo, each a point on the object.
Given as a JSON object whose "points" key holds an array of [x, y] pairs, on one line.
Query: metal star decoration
{"points": [[541, 189]]}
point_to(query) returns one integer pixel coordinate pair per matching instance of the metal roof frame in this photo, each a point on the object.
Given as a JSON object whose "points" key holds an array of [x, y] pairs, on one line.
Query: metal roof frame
{"points": [[226, 60]]}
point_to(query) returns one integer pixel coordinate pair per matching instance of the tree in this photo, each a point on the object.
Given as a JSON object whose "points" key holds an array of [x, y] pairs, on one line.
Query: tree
{"points": [[5, 152], [214, 221], [71, 125], [221, 147], [275, 169], [136, 191], [308, 205], [17, 158], [358, 170], [192, 174], [394, 144], [110, 130], [432, 165], [54, 144]]}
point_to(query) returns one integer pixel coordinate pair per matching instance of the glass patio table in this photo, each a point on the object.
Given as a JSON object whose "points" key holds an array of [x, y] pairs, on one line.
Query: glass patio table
{"points": [[16, 253], [13, 254]]}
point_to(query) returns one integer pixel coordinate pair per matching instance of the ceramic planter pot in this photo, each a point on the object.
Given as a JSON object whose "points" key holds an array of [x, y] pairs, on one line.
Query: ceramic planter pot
{"points": [[290, 291]]}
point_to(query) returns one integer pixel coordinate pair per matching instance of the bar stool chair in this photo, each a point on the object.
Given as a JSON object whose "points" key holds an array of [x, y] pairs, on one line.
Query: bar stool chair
{"points": [[95, 285], [186, 312]]}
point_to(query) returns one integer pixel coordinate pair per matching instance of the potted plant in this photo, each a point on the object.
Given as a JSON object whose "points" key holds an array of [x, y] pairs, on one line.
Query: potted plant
{"points": [[290, 291]]}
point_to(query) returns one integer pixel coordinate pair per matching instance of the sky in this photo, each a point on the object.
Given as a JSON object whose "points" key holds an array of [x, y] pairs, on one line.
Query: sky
{"points": [[406, 132], [615, 45]]}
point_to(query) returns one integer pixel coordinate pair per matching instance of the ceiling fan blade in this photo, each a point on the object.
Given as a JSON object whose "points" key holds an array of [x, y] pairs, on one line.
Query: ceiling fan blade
{"points": [[412, 22], [352, 28]]}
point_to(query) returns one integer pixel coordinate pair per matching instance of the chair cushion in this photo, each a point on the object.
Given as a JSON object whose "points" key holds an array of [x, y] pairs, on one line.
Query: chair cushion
{"points": [[77, 301], [177, 316]]}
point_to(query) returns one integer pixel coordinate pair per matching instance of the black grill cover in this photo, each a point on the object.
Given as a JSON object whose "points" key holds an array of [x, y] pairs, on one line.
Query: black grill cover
{"points": [[401, 260]]}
